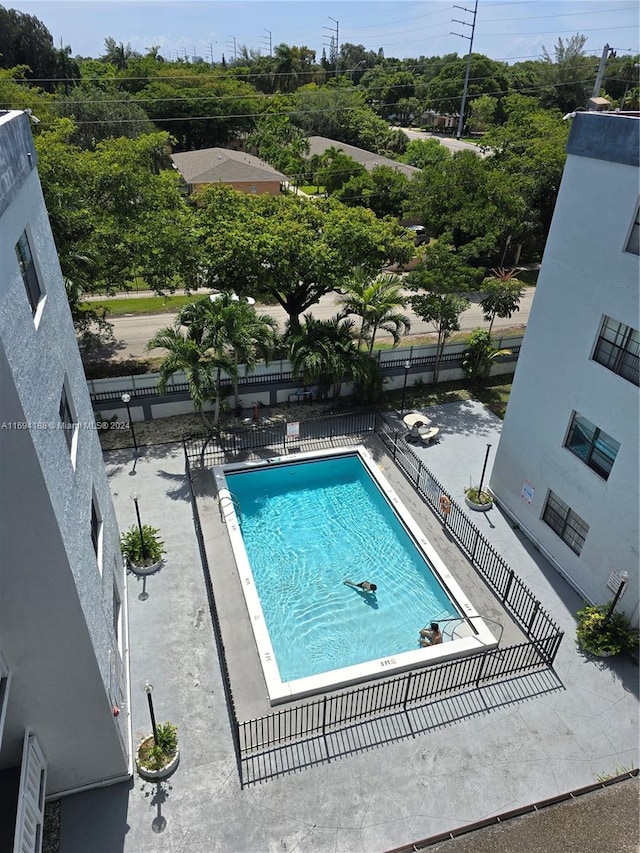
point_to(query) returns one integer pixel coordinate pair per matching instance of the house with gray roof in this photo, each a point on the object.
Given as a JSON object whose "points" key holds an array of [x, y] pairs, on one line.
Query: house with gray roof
{"points": [[242, 171], [320, 144]]}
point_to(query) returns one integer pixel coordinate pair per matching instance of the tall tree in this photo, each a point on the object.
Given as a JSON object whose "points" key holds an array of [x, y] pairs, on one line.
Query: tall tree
{"points": [[445, 278], [232, 329], [376, 300], [569, 74], [322, 353], [24, 40], [289, 249], [502, 294]]}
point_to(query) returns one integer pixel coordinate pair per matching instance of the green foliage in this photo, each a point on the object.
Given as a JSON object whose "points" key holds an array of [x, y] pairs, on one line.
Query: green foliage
{"points": [[288, 249], [598, 635], [323, 353], [503, 292], [480, 355], [486, 77], [568, 75], [469, 198], [280, 143], [156, 756], [476, 496], [444, 275], [100, 113], [384, 190], [376, 299], [25, 41], [425, 152], [132, 545]]}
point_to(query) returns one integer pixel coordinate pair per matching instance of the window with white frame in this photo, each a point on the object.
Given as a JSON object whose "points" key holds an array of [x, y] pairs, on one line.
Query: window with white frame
{"points": [[565, 522], [589, 443], [29, 273], [68, 418], [618, 349], [633, 243]]}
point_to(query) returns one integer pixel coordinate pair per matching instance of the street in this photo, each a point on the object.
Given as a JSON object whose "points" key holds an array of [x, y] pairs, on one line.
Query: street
{"points": [[133, 332]]}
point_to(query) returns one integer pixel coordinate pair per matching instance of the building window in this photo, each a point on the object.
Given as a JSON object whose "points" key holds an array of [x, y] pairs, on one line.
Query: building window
{"points": [[68, 420], [617, 348], [96, 530], [597, 449], [569, 526], [633, 243], [28, 270]]}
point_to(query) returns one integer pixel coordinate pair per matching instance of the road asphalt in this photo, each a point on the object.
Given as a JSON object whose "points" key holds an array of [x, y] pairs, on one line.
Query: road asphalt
{"points": [[133, 331]]}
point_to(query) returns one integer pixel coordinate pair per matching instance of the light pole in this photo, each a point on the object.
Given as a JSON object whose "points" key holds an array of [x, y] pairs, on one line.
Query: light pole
{"points": [[134, 498], [407, 365], [484, 468], [126, 399], [148, 689], [624, 577]]}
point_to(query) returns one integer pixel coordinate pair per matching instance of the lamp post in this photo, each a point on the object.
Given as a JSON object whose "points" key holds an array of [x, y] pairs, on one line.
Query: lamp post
{"points": [[126, 399], [134, 498], [484, 468], [407, 365], [148, 689], [624, 577]]}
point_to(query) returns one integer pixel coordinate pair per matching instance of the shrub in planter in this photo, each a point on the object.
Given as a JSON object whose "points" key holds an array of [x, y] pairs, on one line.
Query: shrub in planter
{"points": [[155, 757], [132, 545], [602, 636], [478, 497]]}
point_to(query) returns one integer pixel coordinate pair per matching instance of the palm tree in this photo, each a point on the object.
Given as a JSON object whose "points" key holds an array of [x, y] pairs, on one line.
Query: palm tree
{"points": [[323, 353], [231, 333], [186, 352], [376, 299]]}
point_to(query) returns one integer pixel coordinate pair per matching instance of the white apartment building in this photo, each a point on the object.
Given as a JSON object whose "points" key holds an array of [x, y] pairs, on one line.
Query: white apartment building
{"points": [[64, 721], [567, 467]]}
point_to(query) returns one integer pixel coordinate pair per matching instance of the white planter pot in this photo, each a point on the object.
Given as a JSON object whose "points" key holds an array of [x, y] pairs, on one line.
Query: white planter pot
{"points": [[150, 775], [477, 507], [144, 570]]}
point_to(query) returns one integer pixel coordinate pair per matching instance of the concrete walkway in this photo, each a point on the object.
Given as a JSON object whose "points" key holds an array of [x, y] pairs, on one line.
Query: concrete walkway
{"points": [[489, 751]]}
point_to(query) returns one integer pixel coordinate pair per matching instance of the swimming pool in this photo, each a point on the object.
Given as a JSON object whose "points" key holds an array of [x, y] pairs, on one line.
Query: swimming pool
{"points": [[306, 523]]}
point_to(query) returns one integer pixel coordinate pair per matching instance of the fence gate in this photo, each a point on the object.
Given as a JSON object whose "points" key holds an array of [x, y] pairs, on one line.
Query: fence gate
{"points": [[30, 813]]}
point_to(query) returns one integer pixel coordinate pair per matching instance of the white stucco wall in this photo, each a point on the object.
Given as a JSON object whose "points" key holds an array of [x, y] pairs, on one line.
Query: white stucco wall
{"points": [[585, 275]]}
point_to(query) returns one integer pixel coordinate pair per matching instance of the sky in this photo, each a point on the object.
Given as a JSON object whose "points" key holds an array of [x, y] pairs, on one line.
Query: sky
{"points": [[507, 31]]}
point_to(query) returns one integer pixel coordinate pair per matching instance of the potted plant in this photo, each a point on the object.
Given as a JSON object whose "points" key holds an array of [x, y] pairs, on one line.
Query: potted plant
{"points": [[157, 757], [603, 633], [143, 549], [477, 499]]}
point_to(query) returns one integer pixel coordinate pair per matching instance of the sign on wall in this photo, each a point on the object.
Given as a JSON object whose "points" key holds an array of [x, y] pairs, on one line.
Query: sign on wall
{"points": [[527, 492], [293, 429]]}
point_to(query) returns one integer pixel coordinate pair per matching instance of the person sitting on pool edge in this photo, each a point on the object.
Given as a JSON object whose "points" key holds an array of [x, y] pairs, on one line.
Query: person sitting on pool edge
{"points": [[431, 636], [365, 586]]}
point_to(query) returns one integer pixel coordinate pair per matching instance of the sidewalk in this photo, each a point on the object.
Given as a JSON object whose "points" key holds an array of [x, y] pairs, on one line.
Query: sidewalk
{"points": [[489, 751]]}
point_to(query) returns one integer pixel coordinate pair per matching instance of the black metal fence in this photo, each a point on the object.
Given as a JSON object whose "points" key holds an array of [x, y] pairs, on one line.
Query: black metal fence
{"points": [[389, 362], [316, 717]]}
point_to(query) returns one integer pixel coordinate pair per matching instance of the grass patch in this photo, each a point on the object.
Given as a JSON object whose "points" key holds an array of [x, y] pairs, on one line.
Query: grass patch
{"points": [[143, 304], [312, 189], [494, 394]]}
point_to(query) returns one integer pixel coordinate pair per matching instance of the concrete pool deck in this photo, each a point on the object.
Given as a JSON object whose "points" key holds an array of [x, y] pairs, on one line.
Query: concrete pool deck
{"points": [[483, 753]]}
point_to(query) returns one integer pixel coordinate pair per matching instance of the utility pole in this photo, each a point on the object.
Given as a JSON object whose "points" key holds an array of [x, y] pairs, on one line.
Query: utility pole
{"points": [[607, 53], [466, 74], [334, 40], [269, 40], [211, 52], [234, 46]]}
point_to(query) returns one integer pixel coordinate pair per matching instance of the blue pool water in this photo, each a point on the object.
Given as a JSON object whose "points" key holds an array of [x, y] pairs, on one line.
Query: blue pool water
{"points": [[306, 528]]}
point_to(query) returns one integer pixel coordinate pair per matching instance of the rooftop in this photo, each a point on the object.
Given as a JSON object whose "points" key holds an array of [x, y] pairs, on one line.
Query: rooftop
{"points": [[212, 165], [319, 144]]}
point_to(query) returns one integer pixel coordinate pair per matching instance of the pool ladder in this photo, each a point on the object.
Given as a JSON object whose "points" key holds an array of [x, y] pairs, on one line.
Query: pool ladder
{"points": [[224, 501]]}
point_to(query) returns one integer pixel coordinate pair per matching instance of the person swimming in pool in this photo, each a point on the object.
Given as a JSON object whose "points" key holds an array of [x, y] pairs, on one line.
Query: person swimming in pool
{"points": [[365, 586], [431, 636]]}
